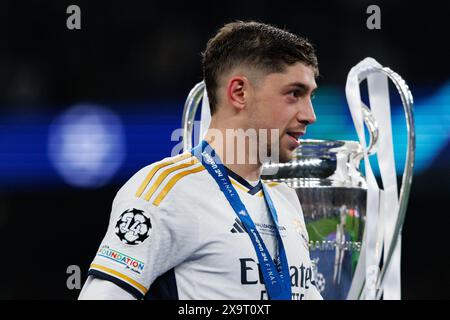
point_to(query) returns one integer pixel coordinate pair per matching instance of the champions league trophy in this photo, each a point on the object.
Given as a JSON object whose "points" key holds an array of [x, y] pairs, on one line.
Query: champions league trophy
{"points": [[354, 227]]}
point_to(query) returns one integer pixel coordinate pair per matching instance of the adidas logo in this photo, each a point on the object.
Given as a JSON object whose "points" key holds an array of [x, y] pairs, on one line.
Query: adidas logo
{"points": [[238, 227]]}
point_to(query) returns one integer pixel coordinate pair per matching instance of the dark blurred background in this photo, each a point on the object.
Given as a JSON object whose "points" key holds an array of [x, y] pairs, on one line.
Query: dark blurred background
{"points": [[103, 101]]}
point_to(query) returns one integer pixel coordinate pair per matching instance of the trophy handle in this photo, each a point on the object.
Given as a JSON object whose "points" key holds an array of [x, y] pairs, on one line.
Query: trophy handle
{"points": [[190, 108], [408, 104], [372, 127]]}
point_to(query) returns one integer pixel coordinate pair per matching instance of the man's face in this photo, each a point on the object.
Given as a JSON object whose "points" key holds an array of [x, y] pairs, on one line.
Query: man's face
{"points": [[283, 101]]}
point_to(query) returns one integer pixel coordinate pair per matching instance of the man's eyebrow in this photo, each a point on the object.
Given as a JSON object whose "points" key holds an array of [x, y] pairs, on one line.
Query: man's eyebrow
{"points": [[302, 86]]}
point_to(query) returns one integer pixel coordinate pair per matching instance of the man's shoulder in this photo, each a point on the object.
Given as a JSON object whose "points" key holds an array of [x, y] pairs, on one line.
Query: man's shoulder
{"points": [[279, 186], [154, 182], [282, 190]]}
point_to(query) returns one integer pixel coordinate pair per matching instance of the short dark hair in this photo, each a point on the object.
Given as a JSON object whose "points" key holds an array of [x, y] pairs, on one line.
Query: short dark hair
{"points": [[258, 45]]}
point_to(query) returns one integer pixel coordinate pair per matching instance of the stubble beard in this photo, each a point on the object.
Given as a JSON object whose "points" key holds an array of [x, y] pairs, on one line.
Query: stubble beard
{"points": [[284, 154]]}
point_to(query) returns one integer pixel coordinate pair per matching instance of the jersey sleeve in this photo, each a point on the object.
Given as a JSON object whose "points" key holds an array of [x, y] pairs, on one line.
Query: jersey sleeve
{"points": [[143, 241], [98, 289]]}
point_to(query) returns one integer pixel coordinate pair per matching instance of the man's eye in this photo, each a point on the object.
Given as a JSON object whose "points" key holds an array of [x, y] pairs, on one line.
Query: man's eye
{"points": [[313, 96], [295, 93]]}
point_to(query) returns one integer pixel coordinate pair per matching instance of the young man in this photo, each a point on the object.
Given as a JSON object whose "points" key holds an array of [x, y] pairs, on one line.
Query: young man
{"points": [[201, 225]]}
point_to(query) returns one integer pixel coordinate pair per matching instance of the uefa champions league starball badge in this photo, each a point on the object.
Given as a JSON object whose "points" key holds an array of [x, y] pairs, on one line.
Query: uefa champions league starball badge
{"points": [[133, 227]]}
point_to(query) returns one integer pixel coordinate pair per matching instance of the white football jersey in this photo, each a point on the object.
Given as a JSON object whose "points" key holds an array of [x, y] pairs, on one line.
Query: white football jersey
{"points": [[173, 235]]}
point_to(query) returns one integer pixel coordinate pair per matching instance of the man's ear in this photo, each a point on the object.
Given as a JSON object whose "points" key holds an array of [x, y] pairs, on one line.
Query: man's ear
{"points": [[237, 91]]}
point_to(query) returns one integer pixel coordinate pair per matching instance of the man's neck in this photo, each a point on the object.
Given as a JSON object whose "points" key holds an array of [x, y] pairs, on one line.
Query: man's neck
{"points": [[249, 170]]}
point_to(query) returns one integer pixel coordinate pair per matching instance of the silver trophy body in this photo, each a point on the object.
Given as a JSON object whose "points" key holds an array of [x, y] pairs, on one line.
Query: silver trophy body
{"points": [[332, 191]]}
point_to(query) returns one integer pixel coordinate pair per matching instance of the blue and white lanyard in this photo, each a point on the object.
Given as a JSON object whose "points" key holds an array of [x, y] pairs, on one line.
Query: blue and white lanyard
{"points": [[277, 280]]}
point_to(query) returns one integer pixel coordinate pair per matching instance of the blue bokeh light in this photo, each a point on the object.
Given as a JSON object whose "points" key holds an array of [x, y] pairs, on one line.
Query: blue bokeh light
{"points": [[86, 145]]}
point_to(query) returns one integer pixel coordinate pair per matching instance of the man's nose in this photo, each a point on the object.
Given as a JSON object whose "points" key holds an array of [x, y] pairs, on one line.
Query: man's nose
{"points": [[306, 115]]}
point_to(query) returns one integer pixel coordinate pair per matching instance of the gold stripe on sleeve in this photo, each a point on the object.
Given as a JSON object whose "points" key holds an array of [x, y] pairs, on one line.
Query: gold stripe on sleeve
{"points": [[165, 173], [121, 276], [172, 182], [155, 169]]}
